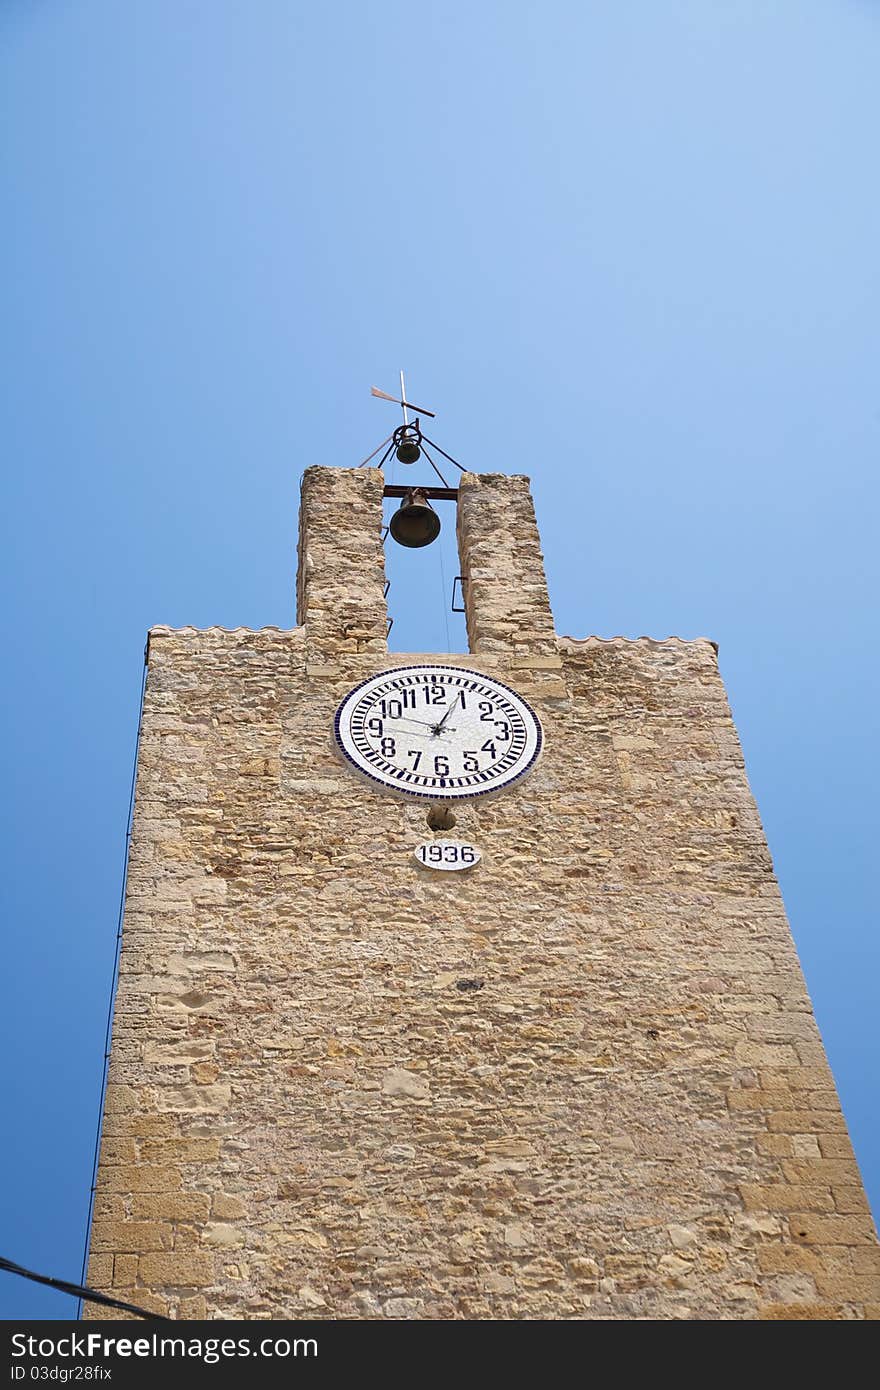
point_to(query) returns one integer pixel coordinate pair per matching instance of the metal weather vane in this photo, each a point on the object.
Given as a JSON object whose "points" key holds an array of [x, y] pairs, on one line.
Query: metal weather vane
{"points": [[408, 441]]}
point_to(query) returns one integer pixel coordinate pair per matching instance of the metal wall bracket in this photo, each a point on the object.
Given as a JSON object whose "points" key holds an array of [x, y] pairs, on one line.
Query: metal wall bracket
{"points": [[461, 580]]}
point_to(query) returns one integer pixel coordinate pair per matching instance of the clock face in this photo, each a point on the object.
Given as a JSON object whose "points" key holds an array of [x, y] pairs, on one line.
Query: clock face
{"points": [[438, 731]]}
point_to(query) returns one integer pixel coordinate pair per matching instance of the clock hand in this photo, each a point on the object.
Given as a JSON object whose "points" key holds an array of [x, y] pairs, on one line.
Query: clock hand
{"points": [[416, 734], [437, 727], [405, 719]]}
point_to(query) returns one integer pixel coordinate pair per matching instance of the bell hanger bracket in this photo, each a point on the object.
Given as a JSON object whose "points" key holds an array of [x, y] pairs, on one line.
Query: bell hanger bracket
{"points": [[434, 494]]}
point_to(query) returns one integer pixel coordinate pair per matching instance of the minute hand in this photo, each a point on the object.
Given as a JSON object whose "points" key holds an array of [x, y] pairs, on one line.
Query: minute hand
{"points": [[405, 719], [438, 727]]}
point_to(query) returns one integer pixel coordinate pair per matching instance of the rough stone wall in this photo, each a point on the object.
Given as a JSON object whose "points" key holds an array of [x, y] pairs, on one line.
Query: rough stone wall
{"points": [[340, 581], [505, 591], [582, 1080]]}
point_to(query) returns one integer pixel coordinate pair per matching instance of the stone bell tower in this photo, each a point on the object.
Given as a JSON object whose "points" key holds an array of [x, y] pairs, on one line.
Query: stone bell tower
{"points": [[580, 1080]]}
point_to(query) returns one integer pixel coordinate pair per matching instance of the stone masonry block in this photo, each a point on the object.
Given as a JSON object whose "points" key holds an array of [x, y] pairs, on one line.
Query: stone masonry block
{"points": [[832, 1230], [171, 1206], [132, 1236], [179, 1269]]}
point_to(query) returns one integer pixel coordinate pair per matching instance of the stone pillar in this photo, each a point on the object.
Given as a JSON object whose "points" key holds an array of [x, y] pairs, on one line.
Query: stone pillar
{"points": [[507, 608], [340, 583]]}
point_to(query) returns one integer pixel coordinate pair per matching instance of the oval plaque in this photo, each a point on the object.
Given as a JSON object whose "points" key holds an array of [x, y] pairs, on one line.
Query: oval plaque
{"points": [[447, 854]]}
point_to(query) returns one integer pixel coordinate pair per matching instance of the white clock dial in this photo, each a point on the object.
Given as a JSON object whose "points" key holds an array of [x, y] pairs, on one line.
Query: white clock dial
{"points": [[438, 731]]}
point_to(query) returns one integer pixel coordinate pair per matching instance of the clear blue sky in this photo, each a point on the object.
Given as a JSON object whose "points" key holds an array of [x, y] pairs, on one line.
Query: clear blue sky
{"points": [[629, 249]]}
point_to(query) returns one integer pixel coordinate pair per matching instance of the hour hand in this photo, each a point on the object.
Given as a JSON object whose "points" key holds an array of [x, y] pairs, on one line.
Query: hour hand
{"points": [[437, 727]]}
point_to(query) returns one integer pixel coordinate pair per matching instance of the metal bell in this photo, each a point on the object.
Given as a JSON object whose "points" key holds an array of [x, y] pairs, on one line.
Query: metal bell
{"points": [[415, 523], [408, 451]]}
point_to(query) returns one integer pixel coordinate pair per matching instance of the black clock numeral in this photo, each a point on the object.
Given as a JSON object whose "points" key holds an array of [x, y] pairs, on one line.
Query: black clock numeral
{"points": [[435, 695], [489, 747], [388, 747], [375, 727], [471, 762], [441, 767], [391, 709], [487, 710], [503, 729], [414, 753]]}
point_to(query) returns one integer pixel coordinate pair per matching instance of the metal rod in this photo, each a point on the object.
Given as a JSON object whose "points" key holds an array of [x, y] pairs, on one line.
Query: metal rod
{"points": [[403, 397], [375, 451], [444, 453], [433, 464], [384, 459]]}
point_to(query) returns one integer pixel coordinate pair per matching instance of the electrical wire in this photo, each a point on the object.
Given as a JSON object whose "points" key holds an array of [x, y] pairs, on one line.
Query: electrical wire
{"points": [[108, 1030], [443, 597], [78, 1291]]}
